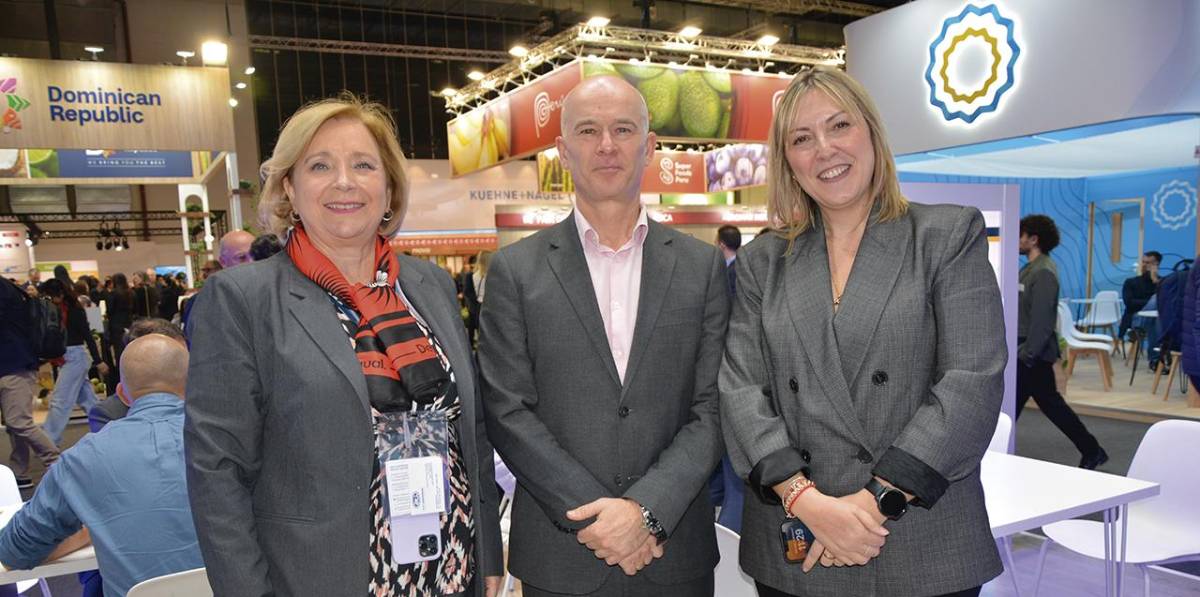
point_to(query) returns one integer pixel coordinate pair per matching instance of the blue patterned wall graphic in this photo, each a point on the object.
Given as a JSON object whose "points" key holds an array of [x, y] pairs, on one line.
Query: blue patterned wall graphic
{"points": [[1066, 200]]}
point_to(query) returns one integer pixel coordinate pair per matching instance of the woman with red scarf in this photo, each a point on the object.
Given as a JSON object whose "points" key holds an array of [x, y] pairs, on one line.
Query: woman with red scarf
{"points": [[297, 362]]}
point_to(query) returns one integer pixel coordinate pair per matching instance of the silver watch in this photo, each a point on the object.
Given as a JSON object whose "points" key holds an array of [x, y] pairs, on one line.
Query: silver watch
{"points": [[650, 523]]}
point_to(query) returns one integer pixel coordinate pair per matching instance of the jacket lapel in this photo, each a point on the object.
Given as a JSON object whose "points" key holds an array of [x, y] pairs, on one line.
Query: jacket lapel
{"points": [[571, 269], [658, 266], [810, 302], [881, 255], [314, 312]]}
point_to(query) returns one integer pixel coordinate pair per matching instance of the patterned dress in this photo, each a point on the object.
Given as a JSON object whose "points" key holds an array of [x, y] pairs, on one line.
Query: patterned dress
{"points": [[452, 573]]}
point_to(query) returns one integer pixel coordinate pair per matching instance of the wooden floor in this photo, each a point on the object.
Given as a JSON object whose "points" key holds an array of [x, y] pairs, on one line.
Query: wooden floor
{"points": [[1085, 392]]}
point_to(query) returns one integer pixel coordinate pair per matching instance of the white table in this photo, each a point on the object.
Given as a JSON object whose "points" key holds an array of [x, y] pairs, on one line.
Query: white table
{"points": [[1023, 494], [74, 562]]}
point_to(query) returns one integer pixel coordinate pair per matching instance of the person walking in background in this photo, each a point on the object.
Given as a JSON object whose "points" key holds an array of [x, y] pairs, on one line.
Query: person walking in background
{"points": [[465, 284], [145, 296], [72, 386], [18, 381], [119, 311], [1037, 341], [479, 278]]}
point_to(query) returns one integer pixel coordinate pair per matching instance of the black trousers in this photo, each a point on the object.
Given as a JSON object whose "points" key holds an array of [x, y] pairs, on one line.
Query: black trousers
{"points": [[1037, 381], [620, 585], [765, 591]]}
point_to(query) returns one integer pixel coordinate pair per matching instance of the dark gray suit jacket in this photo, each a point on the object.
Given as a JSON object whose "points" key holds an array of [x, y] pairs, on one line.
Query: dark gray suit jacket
{"points": [[904, 382], [279, 436], [572, 433]]}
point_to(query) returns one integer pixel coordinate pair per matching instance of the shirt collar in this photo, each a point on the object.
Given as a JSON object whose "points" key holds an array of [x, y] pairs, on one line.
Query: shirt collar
{"points": [[154, 399], [590, 238]]}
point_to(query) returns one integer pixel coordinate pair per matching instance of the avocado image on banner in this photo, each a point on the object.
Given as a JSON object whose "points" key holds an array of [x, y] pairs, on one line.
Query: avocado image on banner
{"points": [[595, 68], [637, 72], [700, 106], [720, 81], [662, 98]]}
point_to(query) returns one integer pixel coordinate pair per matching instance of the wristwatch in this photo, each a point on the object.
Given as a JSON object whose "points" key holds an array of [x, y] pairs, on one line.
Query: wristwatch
{"points": [[891, 501], [650, 523]]}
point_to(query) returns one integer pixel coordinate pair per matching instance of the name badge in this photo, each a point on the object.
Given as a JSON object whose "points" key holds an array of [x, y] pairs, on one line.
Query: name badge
{"points": [[416, 486]]}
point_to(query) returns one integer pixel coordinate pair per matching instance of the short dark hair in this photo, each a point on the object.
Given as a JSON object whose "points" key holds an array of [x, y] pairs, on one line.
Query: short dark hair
{"points": [[730, 236], [1041, 226], [1155, 255], [265, 246], [154, 325]]}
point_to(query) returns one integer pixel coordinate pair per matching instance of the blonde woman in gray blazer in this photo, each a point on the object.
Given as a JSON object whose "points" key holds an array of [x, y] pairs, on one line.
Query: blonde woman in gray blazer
{"points": [[863, 368]]}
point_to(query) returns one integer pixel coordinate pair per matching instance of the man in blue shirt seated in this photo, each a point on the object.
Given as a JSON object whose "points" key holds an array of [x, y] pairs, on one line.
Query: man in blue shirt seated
{"points": [[125, 484]]}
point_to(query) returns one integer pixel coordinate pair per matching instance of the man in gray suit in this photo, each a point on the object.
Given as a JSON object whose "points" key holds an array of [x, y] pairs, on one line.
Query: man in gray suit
{"points": [[601, 339]]}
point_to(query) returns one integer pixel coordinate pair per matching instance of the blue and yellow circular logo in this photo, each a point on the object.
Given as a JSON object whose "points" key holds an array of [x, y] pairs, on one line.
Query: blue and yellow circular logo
{"points": [[971, 63]]}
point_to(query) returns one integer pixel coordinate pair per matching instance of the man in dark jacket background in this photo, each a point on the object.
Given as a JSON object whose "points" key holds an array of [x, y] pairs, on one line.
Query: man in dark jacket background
{"points": [[18, 380]]}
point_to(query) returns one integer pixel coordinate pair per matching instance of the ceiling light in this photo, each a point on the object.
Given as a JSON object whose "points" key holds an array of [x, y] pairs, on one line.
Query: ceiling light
{"points": [[240, 85], [598, 22], [475, 75], [768, 40], [449, 92], [214, 53], [519, 51], [233, 102], [689, 32], [95, 50], [249, 71], [185, 54]]}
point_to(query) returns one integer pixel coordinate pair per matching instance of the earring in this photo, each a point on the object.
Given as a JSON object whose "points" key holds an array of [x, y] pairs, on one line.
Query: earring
{"points": [[295, 217], [387, 215]]}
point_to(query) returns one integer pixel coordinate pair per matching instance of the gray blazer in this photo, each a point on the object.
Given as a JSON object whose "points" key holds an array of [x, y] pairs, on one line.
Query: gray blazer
{"points": [[906, 380], [568, 428], [279, 437]]}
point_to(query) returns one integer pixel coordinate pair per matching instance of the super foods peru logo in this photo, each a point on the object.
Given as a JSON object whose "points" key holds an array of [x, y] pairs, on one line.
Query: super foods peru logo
{"points": [[972, 63], [13, 104]]}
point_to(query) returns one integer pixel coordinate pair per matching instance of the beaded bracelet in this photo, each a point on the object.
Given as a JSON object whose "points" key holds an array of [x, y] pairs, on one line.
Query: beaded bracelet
{"points": [[795, 490]]}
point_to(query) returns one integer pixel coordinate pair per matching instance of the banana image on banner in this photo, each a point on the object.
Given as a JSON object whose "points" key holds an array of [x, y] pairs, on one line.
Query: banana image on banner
{"points": [[480, 138]]}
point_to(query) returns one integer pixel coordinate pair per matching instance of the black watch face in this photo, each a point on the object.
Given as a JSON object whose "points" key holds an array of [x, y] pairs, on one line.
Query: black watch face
{"points": [[892, 503]]}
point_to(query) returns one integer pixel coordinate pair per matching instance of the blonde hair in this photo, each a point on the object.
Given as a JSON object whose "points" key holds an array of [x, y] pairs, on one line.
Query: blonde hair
{"points": [[790, 209], [275, 209], [482, 261]]}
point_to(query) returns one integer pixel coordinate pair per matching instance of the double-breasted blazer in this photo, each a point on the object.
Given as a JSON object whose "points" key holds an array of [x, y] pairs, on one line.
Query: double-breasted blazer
{"points": [[279, 435], [568, 427], [905, 381]]}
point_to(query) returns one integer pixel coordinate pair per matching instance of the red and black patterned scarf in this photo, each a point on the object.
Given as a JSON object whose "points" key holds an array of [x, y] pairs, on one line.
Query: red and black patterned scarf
{"points": [[399, 362]]}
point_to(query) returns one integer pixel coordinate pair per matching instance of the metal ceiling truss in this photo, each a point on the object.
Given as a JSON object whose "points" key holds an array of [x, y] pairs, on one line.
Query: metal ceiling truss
{"points": [[113, 216], [803, 7], [333, 46], [91, 233], [645, 46]]}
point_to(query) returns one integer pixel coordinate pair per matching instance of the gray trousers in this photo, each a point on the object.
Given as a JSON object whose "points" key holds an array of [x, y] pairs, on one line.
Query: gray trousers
{"points": [[620, 585], [16, 406]]}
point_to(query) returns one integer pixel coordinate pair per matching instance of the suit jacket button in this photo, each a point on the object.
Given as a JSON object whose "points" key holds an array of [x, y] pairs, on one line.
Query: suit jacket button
{"points": [[879, 377], [623, 412], [806, 456], [795, 387], [864, 456], [618, 480]]}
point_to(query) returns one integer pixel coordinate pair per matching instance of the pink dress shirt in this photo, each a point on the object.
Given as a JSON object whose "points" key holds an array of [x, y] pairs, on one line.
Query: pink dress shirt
{"points": [[617, 280]]}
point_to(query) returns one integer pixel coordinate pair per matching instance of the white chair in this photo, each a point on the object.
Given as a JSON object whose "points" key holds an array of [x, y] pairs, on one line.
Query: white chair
{"points": [[1104, 312], [730, 581], [189, 583], [1081, 343], [1161, 530], [11, 494]]}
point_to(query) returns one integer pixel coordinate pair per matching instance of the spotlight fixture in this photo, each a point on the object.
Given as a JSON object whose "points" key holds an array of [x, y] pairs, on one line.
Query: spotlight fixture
{"points": [[768, 40], [598, 22], [124, 242], [475, 75], [233, 103], [94, 50], [519, 51], [240, 85], [185, 54], [689, 32], [249, 71], [214, 53]]}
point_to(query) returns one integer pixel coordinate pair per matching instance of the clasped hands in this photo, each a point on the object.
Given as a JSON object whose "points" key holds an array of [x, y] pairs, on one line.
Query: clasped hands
{"points": [[848, 530], [617, 536]]}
